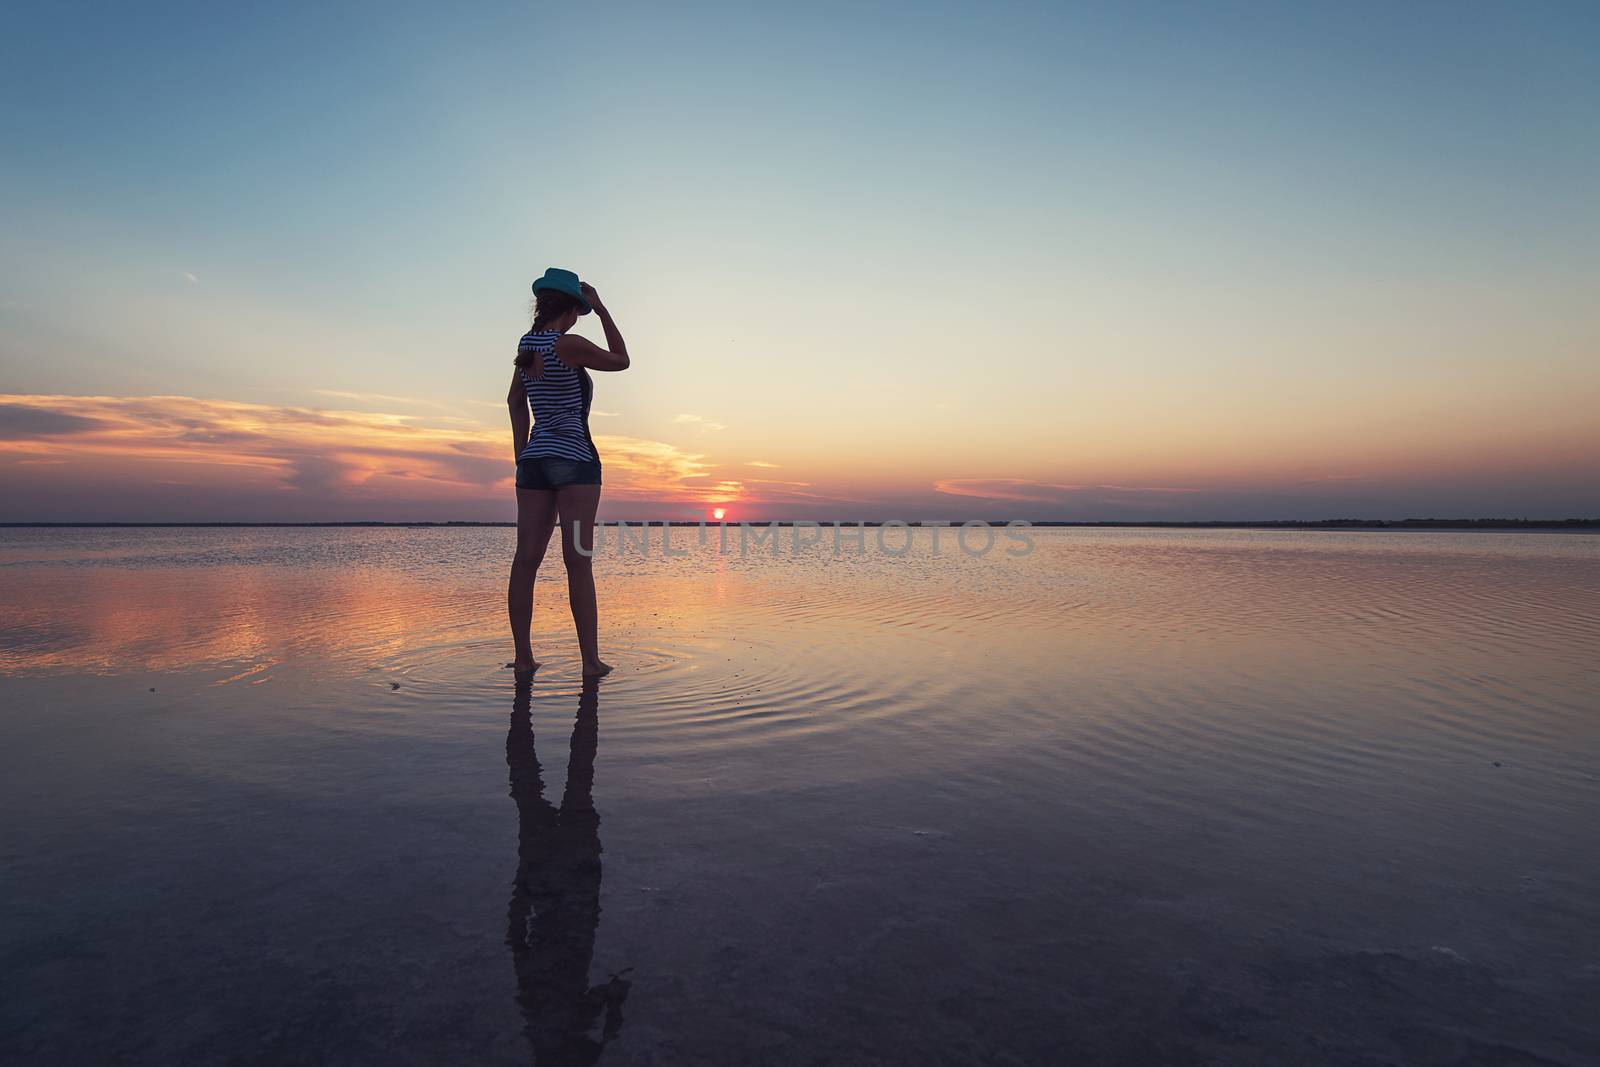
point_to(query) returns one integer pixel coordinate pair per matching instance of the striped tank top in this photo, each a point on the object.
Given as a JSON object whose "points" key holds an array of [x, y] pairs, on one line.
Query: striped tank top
{"points": [[560, 402]]}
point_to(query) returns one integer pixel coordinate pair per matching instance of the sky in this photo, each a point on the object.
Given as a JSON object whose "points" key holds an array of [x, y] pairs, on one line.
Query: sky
{"points": [[922, 261]]}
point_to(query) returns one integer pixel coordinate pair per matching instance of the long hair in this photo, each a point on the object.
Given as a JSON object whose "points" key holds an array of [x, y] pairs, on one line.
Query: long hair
{"points": [[548, 306]]}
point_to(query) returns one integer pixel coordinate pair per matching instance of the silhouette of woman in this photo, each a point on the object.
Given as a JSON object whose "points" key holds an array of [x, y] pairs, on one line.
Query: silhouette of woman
{"points": [[558, 465], [555, 897]]}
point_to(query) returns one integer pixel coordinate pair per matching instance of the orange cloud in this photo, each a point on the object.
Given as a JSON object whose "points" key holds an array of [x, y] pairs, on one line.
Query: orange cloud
{"points": [[188, 459], [304, 461]]}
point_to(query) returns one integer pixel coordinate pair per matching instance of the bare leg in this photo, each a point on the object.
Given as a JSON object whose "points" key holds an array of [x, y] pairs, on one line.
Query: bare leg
{"points": [[536, 516], [577, 505]]}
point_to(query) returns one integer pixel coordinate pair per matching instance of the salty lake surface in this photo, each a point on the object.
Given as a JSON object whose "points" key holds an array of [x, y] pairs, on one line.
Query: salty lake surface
{"points": [[268, 795]]}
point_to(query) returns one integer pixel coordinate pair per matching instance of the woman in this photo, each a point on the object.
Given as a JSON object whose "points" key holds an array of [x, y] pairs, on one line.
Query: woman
{"points": [[558, 468]]}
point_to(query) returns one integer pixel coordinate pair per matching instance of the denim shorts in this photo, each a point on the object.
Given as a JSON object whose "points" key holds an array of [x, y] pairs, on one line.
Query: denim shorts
{"points": [[553, 472]]}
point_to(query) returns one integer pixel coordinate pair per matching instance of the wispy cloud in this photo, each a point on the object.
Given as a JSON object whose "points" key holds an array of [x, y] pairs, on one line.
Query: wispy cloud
{"points": [[761, 463], [651, 469], [325, 463], [20, 422], [770, 491], [190, 278], [1017, 489], [385, 399], [705, 424]]}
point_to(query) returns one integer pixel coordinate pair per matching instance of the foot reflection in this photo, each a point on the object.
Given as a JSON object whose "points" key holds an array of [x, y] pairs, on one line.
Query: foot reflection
{"points": [[555, 899]]}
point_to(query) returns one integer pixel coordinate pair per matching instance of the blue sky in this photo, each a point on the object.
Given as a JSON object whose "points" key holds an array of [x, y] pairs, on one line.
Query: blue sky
{"points": [[1218, 247]]}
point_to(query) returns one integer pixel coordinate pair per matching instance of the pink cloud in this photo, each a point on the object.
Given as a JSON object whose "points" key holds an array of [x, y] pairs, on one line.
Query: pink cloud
{"points": [[1018, 489], [87, 457]]}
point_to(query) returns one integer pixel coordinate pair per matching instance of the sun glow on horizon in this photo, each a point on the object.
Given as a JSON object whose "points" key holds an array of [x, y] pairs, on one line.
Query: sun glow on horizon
{"points": [[184, 458]]}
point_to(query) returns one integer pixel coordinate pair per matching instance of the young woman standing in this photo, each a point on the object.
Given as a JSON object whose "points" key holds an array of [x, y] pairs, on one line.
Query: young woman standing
{"points": [[558, 467]]}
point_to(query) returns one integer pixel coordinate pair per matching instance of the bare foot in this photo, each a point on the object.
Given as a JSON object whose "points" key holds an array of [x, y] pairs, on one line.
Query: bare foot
{"points": [[595, 669], [523, 666]]}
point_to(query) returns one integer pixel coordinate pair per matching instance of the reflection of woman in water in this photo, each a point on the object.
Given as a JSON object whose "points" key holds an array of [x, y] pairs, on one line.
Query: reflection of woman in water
{"points": [[558, 467], [555, 899]]}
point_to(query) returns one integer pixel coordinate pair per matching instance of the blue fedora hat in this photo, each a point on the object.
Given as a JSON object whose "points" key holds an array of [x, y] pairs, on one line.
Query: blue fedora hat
{"points": [[563, 281]]}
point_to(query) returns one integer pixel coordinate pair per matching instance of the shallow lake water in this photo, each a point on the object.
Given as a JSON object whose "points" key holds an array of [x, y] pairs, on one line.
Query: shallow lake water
{"points": [[270, 795]]}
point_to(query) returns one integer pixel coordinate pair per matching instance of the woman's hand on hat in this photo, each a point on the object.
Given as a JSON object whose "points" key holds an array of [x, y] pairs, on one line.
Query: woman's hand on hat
{"points": [[590, 295]]}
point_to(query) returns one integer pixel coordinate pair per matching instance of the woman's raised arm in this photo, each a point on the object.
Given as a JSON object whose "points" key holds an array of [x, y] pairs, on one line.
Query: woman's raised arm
{"points": [[577, 351]]}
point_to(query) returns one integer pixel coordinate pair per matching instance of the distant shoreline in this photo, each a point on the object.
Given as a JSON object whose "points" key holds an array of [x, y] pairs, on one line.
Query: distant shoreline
{"points": [[1274, 524]]}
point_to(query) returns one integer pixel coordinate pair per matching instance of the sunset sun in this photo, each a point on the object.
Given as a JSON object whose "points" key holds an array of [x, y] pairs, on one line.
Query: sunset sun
{"points": [[717, 513]]}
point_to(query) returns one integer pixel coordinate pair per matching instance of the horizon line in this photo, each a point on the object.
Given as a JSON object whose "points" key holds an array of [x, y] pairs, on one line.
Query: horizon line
{"points": [[1485, 522]]}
